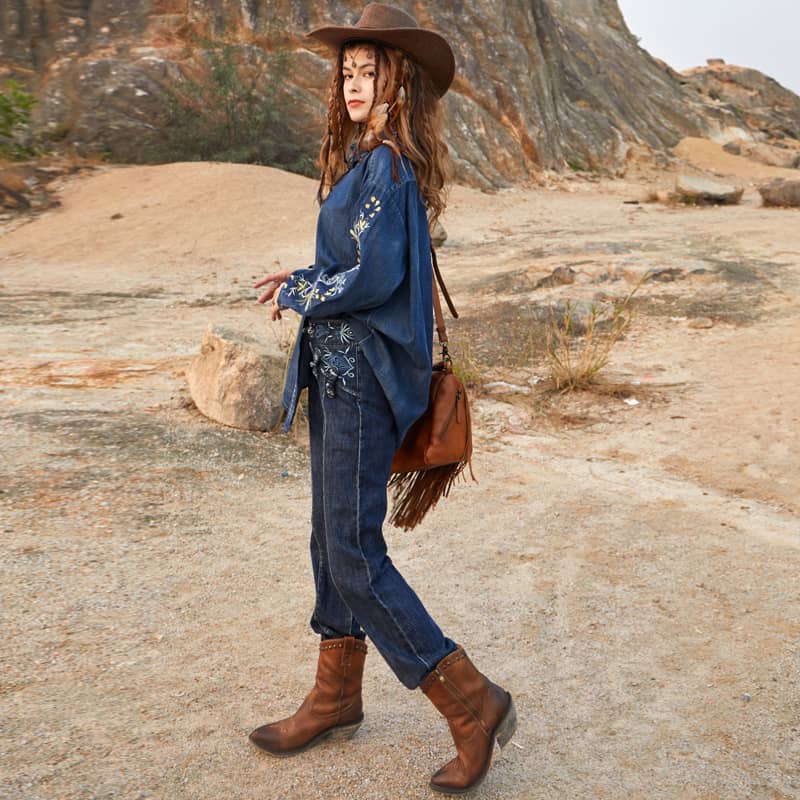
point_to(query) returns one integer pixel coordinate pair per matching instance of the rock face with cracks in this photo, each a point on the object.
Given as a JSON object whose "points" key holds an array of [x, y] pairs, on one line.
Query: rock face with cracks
{"points": [[540, 83], [762, 104]]}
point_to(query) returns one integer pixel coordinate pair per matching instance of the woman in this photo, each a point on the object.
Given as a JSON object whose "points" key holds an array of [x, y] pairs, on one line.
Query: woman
{"points": [[364, 352]]}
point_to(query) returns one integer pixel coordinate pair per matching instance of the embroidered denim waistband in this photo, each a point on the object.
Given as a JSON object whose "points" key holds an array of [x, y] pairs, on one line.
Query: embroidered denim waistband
{"points": [[334, 347], [337, 331]]}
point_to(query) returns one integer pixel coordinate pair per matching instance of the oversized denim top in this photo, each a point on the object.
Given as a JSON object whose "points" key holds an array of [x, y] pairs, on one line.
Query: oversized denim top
{"points": [[372, 268]]}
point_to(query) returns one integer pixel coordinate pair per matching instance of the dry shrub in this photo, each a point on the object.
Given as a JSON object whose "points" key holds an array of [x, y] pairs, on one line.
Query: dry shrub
{"points": [[465, 365], [577, 351]]}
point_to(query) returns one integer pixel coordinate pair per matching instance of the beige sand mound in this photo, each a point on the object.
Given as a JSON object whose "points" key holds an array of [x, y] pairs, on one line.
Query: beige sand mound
{"points": [[708, 156], [150, 217]]}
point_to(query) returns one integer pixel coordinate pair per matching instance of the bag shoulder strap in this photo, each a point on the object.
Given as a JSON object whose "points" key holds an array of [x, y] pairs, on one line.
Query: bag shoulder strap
{"points": [[441, 330]]}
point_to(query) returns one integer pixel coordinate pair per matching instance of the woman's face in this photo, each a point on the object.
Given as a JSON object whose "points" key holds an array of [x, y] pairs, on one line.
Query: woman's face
{"points": [[358, 81]]}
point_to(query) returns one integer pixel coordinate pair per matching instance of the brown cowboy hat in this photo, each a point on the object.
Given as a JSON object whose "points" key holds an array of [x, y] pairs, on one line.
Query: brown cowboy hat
{"points": [[393, 26]]}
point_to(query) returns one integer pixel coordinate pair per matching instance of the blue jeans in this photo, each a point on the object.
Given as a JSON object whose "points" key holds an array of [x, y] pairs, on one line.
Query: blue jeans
{"points": [[353, 439]]}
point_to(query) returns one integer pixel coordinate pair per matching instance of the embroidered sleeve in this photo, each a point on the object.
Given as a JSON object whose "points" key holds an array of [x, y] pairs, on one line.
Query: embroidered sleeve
{"points": [[380, 232]]}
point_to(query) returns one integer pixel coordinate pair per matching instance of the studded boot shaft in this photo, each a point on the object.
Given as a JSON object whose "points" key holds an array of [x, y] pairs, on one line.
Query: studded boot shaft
{"points": [[333, 708], [479, 714]]}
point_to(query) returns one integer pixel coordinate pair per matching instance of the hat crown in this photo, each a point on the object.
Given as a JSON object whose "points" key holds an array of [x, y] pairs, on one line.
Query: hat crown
{"points": [[394, 27], [380, 16]]}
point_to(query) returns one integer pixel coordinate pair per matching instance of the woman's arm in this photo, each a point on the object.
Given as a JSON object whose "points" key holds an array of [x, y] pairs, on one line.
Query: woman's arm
{"points": [[380, 233]]}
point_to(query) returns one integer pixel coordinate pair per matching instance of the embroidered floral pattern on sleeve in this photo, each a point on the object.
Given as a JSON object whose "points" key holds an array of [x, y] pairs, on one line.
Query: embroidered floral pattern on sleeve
{"points": [[325, 287], [328, 286], [333, 353], [367, 213]]}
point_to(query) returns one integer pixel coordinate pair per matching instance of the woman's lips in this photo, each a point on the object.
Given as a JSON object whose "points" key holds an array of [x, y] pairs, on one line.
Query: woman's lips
{"points": [[355, 102]]}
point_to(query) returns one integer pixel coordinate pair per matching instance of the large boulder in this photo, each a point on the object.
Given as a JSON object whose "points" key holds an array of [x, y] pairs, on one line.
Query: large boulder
{"points": [[781, 192], [693, 189], [235, 381]]}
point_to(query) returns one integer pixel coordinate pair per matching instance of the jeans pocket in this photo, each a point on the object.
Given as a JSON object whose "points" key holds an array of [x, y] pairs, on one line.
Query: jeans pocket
{"points": [[335, 367], [336, 348]]}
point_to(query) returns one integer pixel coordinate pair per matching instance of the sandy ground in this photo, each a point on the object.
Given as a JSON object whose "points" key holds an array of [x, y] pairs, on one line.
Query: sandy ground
{"points": [[628, 572]]}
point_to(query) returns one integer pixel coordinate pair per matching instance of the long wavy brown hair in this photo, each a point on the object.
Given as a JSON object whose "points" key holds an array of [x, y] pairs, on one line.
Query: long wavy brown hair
{"points": [[406, 115]]}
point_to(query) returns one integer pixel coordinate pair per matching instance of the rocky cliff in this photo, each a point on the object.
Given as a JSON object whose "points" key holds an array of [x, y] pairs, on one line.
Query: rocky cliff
{"points": [[761, 103], [540, 84]]}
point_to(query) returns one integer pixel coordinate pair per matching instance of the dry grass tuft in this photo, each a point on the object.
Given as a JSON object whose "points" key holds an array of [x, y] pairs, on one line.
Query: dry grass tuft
{"points": [[465, 364], [578, 350]]}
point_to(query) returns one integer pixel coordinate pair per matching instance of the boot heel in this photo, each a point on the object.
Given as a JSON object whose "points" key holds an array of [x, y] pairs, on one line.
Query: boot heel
{"points": [[345, 731], [507, 726]]}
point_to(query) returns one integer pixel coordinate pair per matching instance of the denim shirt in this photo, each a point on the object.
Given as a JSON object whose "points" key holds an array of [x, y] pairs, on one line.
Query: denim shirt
{"points": [[372, 269]]}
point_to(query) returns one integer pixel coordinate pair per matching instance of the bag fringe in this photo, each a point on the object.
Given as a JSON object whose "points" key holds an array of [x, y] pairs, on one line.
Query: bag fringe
{"points": [[414, 494]]}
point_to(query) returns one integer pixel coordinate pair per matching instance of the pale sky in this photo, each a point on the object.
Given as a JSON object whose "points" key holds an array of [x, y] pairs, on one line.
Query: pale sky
{"points": [[762, 34]]}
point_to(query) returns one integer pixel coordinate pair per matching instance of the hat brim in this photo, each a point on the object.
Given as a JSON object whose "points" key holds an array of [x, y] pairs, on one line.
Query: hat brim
{"points": [[430, 50]]}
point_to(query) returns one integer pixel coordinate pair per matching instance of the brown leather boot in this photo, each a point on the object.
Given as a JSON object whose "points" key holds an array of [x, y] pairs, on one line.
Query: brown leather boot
{"points": [[332, 709], [479, 714]]}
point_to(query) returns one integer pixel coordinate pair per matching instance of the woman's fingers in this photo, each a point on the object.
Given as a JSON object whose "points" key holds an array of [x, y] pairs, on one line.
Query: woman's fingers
{"points": [[275, 277], [268, 294], [274, 287]]}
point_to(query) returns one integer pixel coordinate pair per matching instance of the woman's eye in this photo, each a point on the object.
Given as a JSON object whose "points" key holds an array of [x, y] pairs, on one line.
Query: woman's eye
{"points": [[369, 74]]}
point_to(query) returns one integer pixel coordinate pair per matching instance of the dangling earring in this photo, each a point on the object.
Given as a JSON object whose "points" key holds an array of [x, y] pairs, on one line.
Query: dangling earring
{"points": [[400, 99]]}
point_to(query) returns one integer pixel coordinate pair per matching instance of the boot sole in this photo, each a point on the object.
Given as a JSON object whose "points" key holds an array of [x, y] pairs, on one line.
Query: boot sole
{"points": [[340, 732], [501, 736]]}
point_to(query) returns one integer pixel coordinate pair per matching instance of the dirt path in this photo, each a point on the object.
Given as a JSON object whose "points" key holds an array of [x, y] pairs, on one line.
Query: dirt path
{"points": [[629, 572]]}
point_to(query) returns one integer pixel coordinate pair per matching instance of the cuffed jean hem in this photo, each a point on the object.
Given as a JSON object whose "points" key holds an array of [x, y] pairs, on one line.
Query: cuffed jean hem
{"points": [[327, 636]]}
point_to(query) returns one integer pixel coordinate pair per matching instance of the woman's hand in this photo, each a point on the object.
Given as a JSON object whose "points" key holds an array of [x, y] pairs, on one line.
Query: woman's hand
{"points": [[273, 283]]}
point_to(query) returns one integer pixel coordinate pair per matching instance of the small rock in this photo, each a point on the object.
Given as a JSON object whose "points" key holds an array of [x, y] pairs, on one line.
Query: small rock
{"points": [[692, 189], [702, 275], [733, 147], [781, 192], [560, 276], [666, 275], [11, 198], [438, 234], [502, 387], [746, 697], [577, 315], [701, 322], [17, 178]]}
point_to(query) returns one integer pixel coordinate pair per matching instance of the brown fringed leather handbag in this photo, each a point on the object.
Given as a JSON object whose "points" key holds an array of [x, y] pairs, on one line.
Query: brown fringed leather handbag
{"points": [[438, 446]]}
